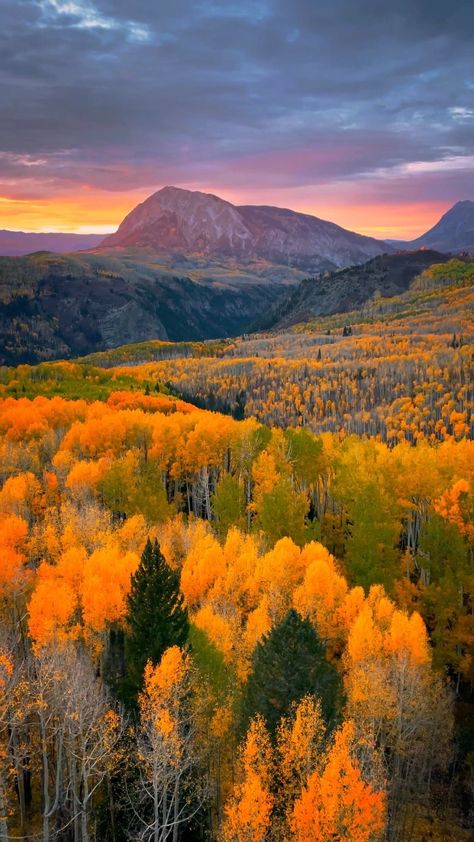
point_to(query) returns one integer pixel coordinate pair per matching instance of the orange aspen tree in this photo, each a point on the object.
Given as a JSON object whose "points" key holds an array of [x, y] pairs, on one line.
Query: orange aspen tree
{"points": [[249, 807], [336, 803], [396, 699], [299, 750]]}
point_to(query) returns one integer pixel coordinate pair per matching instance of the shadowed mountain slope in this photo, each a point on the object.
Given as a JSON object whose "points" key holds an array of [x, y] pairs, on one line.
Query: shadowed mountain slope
{"points": [[54, 306], [348, 289]]}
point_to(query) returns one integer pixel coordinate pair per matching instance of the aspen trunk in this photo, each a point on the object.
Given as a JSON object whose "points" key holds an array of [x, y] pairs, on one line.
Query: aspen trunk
{"points": [[45, 792], [3, 815], [84, 805], [176, 810], [20, 779]]}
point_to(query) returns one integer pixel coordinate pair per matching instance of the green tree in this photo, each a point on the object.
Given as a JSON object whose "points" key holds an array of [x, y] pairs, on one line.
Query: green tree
{"points": [[156, 617], [210, 663], [447, 595], [371, 548], [135, 489], [283, 513], [228, 504], [289, 663], [118, 486], [150, 498], [305, 453]]}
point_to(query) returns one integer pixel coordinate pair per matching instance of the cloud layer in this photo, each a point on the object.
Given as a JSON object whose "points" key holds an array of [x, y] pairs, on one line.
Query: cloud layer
{"points": [[317, 104]]}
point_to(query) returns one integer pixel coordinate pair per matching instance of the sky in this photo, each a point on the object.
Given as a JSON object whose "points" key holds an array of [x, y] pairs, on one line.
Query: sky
{"points": [[358, 112]]}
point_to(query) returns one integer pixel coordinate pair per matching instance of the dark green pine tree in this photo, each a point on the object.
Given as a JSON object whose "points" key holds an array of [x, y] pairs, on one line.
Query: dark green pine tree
{"points": [[156, 618], [288, 663]]}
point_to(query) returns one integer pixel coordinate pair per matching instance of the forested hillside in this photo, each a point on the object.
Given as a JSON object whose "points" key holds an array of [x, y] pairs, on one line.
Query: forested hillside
{"points": [[212, 628], [400, 368], [61, 306], [218, 629], [236, 426], [348, 289]]}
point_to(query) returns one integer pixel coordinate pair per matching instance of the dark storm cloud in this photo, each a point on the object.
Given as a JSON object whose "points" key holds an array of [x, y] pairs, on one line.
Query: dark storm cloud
{"points": [[122, 94]]}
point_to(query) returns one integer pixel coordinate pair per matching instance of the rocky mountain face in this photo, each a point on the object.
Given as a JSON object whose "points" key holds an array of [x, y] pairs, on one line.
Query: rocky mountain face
{"points": [[54, 306], [453, 233], [18, 243], [348, 289], [176, 222]]}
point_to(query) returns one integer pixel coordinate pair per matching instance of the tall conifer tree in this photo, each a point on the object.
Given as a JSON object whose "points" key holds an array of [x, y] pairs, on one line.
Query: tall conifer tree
{"points": [[289, 663], [156, 616]]}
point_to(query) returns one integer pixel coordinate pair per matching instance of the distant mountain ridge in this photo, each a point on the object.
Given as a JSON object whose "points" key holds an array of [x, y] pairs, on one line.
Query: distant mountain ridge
{"points": [[19, 243], [177, 221], [454, 232]]}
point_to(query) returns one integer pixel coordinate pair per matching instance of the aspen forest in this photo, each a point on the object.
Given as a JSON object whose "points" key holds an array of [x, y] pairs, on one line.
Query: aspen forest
{"points": [[237, 584]]}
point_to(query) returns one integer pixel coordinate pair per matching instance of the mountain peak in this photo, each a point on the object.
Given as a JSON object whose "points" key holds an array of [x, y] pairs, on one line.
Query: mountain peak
{"points": [[188, 222], [171, 190], [463, 206], [174, 220], [453, 232]]}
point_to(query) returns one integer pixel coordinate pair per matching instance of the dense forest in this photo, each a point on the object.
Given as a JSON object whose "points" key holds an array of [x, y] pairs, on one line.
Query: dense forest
{"points": [[399, 368], [218, 626]]}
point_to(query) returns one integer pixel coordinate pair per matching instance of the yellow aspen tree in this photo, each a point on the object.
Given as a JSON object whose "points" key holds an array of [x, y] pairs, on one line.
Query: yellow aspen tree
{"points": [[168, 793]]}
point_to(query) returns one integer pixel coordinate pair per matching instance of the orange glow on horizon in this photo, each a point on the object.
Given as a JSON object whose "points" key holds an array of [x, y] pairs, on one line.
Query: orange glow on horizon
{"points": [[385, 221], [96, 211]]}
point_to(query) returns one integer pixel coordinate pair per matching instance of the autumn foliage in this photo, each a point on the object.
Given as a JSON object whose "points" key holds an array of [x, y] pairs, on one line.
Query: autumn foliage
{"points": [[366, 539]]}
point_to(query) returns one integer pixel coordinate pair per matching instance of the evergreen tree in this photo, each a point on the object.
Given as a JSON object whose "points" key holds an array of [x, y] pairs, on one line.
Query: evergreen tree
{"points": [[156, 617], [289, 663]]}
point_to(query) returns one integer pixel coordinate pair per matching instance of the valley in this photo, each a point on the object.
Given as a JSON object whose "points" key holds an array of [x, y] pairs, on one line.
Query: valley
{"points": [[54, 306]]}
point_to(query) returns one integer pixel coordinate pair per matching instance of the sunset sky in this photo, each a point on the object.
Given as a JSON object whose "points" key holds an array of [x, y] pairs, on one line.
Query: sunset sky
{"points": [[359, 112]]}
